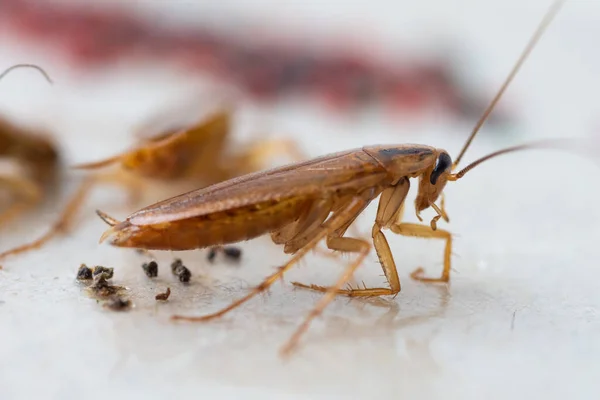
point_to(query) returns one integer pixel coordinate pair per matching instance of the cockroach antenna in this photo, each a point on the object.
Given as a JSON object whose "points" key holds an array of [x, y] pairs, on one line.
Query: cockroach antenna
{"points": [[36, 67], [550, 14]]}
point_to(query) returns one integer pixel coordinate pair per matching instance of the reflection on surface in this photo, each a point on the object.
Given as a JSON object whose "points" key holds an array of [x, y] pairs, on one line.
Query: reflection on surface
{"points": [[354, 338]]}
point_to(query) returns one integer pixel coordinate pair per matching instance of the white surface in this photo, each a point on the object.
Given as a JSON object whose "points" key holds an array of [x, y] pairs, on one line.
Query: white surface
{"points": [[521, 318]]}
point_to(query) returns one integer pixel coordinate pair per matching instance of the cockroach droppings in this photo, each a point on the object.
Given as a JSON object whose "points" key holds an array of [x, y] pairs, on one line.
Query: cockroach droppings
{"points": [[181, 271], [102, 288], [108, 272], [84, 273], [151, 269]]}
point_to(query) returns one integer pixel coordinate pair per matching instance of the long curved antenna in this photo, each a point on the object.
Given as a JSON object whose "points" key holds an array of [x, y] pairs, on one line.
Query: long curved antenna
{"points": [[16, 66], [562, 144], [550, 14]]}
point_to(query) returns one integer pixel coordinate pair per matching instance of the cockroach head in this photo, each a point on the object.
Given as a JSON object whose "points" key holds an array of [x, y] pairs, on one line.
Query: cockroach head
{"points": [[433, 181]]}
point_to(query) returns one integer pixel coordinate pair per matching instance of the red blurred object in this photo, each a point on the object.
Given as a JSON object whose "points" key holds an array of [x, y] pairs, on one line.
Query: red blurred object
{"points": [[93, 37]]}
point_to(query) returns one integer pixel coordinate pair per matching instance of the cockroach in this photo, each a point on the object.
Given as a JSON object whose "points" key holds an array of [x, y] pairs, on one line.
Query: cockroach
{"points": [[190, 154], [301, 204], [29, 163]]}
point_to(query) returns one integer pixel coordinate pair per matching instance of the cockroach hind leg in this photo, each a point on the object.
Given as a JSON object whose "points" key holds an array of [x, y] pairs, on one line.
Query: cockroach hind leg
{"points": [[355, 245], [350, 292], [97, 164]]}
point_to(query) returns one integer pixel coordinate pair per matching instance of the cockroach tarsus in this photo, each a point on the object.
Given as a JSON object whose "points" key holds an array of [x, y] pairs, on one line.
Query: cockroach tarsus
{"points": [[301, 204], [196, 153]]}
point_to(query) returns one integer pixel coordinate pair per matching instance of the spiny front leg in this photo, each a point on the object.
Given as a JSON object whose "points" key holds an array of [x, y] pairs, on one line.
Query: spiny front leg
{"points": [[424, 231], [353, 245], [389, 210]]}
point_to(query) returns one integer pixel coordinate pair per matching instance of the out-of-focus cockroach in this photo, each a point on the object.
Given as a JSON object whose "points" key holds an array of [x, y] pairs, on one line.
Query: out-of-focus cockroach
{"points": [[301, 204], [199, 153], [29, 163]]}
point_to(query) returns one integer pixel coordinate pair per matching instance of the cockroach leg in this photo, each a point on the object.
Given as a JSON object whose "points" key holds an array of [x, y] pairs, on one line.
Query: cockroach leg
{"points": [[297, 235], [389, 210], [443, 206], [59, 226], [348, 244], [424, 231], [335, 254], [337, 219]]}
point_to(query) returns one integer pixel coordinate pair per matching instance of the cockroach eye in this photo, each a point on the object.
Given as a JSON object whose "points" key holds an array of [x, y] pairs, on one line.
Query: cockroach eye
{"points": [[443, 163]]}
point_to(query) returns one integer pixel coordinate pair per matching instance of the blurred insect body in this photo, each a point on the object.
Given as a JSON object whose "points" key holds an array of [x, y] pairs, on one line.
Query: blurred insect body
{"points": [[29, 163], [200, 154], [301, 204]]}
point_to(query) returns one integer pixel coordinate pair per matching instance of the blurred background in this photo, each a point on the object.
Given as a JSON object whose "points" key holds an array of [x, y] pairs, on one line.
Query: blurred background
{"points": [[327, 76]]}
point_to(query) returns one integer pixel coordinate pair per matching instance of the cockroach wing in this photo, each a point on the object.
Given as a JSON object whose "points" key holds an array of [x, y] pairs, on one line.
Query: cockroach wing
{"points": [[351, 171], [343, 173]]}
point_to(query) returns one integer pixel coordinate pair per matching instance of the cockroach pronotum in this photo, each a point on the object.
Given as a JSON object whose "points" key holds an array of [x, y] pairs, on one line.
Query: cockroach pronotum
{"points": [[301, 204], [192, 153]]}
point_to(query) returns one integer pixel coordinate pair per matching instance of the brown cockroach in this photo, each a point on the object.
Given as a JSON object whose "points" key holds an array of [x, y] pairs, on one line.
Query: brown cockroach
{"points": [[29, 163], [301, 204], [199, 153]]}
